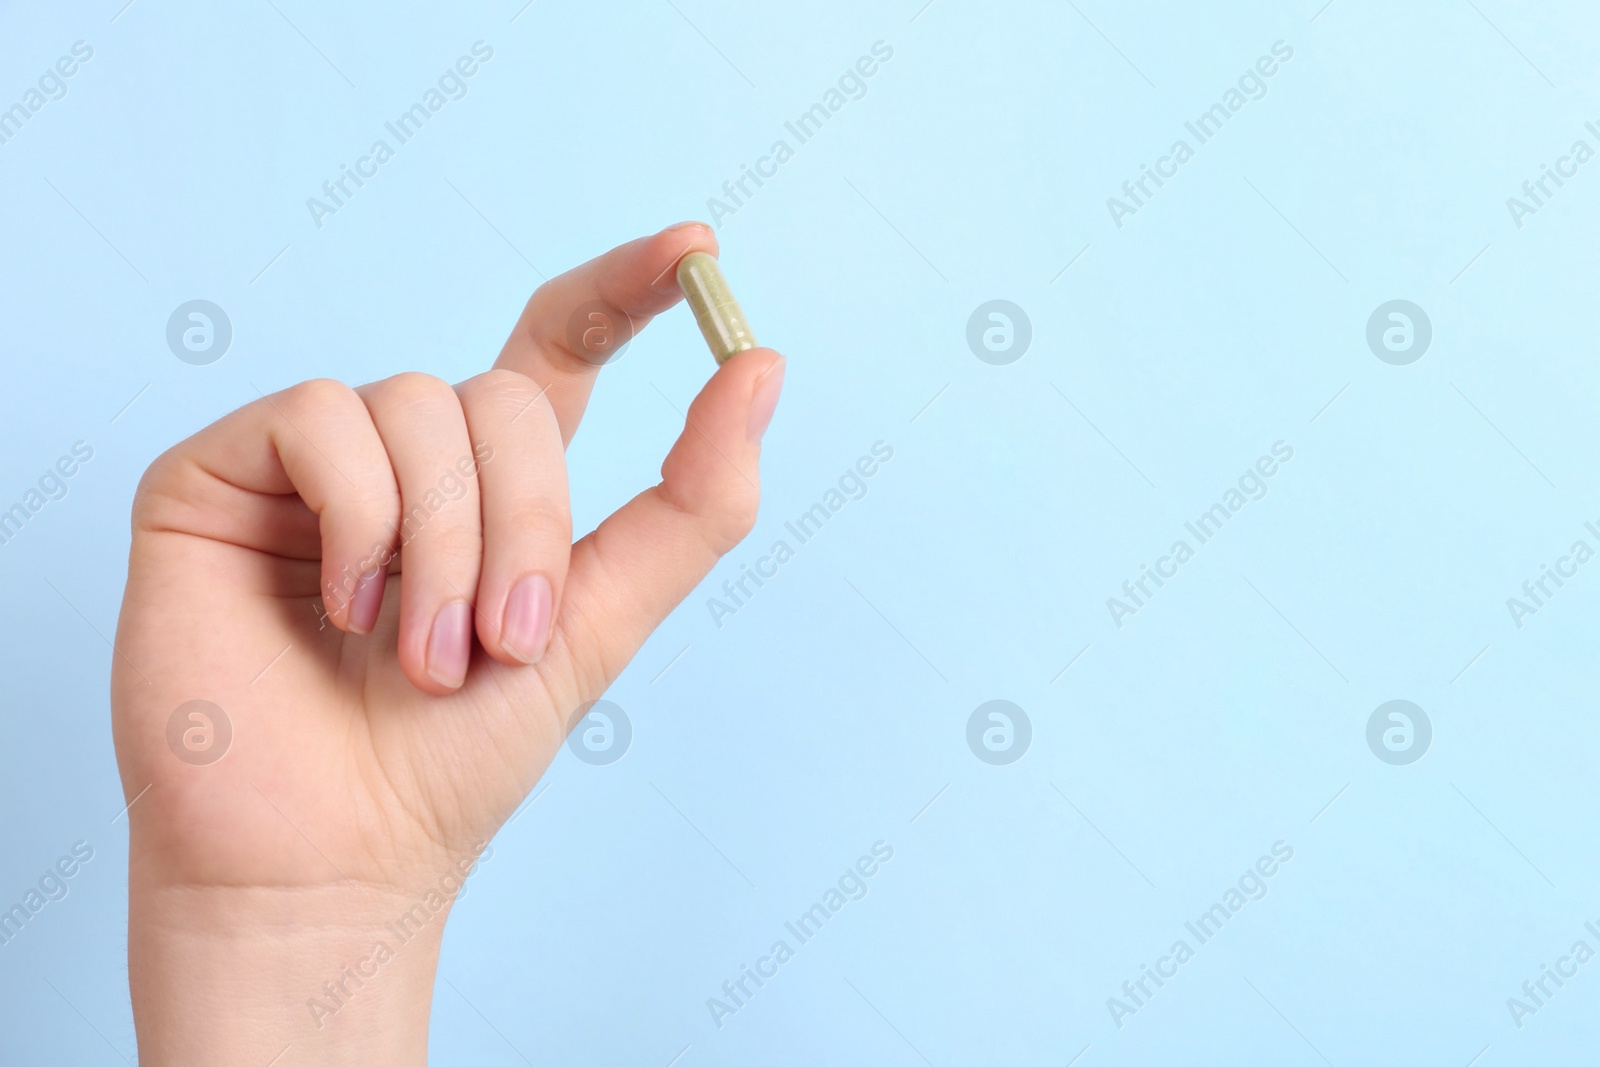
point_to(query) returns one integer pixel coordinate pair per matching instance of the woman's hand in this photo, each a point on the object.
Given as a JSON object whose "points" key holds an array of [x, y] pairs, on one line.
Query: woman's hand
{"points": [[378, 588]]}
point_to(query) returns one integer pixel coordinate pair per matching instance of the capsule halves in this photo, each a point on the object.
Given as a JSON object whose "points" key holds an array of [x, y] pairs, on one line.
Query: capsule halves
{"points": [[715, 310]]}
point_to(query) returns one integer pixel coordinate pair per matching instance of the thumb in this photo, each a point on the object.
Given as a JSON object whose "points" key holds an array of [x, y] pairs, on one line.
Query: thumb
{"points": [[628, 574]]}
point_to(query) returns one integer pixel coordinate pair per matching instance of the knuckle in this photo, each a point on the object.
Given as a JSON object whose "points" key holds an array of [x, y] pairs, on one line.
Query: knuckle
{"points": [[377, 505], [723, 524], [506, 390], [158, 476], [320, 397], [548, 517], [537, 311], [439, 538], [556, 325], [738, 517], [413, 389], [373, 503], [162, 485]]}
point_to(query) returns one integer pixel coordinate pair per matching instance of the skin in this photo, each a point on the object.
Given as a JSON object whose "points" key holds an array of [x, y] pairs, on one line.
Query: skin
{"points": [[371, 762]]}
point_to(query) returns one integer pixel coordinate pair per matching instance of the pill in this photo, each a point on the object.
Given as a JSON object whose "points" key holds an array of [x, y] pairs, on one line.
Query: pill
{"points": [[715, 310]]}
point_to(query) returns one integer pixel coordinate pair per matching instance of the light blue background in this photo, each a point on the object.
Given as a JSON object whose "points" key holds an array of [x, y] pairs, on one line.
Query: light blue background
{"points": [[1223, 317]]}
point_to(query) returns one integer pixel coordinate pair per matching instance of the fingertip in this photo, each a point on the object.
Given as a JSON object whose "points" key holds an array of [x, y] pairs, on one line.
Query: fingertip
{"points": [[752, 365], [669, 246], [760, 354], [729, 392], [351, 600], [366, 603], [691, 225], [764, 399]]}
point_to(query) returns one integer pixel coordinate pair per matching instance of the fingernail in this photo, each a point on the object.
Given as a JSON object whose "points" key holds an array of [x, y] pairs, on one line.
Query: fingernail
{"points": [[366, 602], [765, 400], [683, 226], [525, 630], [450, 644]]}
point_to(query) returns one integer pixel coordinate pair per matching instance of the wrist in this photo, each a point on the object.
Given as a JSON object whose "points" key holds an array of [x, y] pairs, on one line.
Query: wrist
{"points": [[338, 973]]}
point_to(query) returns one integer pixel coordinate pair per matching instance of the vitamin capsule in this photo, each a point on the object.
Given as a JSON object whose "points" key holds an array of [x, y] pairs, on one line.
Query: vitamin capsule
{"points": [[715, 310]]}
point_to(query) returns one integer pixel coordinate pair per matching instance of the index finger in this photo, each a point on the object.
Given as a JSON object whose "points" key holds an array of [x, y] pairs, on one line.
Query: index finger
{"points": [[574, 323]]}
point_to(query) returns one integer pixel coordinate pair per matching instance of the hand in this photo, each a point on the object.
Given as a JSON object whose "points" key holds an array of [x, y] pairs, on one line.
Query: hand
{"points": [[406, 547]]}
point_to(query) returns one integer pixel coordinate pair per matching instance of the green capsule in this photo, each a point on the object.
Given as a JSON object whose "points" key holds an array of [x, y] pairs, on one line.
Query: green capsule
{"points": [[715, 310]]}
